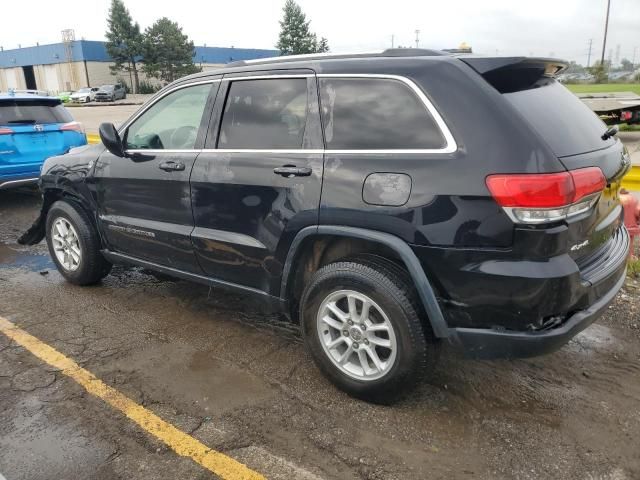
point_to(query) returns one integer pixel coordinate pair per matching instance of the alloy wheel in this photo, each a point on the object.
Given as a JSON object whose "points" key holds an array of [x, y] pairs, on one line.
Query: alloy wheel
{"points": [[356, 335], [66, 244]]}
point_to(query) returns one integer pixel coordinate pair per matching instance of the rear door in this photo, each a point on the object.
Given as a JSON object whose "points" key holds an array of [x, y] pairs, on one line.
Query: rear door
{"points": [[144, 200], [258, 181], [31, 130]]}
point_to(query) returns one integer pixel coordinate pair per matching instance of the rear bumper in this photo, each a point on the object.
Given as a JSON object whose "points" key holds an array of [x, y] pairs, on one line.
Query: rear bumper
{"points": [[11, 182], [487, 343], [502, 343]]}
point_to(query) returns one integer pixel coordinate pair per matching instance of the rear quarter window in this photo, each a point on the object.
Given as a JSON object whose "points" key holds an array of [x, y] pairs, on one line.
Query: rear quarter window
{"points": [[32, 111], [376, 114], [565, 123]]}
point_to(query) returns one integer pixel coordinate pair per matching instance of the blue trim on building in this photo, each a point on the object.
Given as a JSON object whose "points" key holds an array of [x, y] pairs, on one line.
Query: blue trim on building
{"points": [[95, 51]]}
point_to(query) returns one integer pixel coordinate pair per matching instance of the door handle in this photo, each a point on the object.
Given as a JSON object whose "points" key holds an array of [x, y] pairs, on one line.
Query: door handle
{"points": [[171, 166], [292, 171]]}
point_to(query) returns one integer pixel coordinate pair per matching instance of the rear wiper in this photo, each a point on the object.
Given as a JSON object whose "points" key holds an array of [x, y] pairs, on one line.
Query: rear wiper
{"points": [[22, 121], [610, 132]]}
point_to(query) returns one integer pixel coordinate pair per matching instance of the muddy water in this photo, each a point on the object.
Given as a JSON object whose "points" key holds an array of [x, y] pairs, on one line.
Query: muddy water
{"points": [[241, 382]]}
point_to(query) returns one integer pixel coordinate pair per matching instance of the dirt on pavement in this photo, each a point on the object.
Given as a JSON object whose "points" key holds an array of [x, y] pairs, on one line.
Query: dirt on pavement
{"points": [[240, 381]]}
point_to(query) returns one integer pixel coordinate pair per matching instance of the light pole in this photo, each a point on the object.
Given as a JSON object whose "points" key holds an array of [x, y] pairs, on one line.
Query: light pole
{"points": [[606, 27]]}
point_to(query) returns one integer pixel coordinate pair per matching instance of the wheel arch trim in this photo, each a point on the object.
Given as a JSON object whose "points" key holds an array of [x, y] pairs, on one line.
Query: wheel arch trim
{"points": [[408, 257]]}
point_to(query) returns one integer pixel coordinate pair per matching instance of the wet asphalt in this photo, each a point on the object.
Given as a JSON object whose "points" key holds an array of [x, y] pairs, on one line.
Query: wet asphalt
{"points": [[240, 381]]}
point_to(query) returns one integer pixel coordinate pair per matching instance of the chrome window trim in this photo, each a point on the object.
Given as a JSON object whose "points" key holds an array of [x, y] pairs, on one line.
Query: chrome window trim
{"points": [[263, 150], [155, 151], [269, 77], [450, 146]]}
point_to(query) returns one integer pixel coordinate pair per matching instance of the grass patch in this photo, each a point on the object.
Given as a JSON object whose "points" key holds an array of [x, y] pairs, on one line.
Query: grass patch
{"points": [[633, 268], [629, 128], [604, 87]]}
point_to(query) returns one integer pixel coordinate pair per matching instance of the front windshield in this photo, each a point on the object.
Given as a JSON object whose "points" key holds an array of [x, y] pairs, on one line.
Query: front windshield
{"points": [[106, 88]]}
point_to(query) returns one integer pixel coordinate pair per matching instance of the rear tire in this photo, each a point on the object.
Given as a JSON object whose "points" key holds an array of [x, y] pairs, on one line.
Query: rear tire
{"points": [[74, 244], [387, 352]]}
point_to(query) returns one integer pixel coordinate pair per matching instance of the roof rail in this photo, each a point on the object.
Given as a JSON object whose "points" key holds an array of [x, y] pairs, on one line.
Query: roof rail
{"points": [[390, 52]]}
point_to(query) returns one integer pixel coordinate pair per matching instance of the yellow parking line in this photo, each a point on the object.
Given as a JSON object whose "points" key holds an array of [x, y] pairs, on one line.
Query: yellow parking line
{"points": [[93, 138], [181, 443]]}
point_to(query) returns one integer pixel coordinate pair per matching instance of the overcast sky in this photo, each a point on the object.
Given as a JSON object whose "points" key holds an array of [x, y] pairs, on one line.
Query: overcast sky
{"points": [[561, 28]]}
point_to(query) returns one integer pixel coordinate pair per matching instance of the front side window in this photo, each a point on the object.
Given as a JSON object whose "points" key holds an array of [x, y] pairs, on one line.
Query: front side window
{"points": [[264, 114], [375, 114], [172, 123]]}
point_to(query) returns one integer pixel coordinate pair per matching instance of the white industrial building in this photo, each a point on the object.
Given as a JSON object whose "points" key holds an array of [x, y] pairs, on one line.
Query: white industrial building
{"points": [[69, 66]]}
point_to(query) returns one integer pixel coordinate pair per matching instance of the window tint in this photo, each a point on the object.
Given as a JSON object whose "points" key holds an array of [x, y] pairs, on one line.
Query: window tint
{"points": [[32, 111], [561, 118], [375, 114], [171, 123], [265, 114]]}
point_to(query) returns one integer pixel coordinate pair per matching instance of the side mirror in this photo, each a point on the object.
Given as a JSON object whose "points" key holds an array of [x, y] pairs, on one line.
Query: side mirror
{"points": [[111, 139]]}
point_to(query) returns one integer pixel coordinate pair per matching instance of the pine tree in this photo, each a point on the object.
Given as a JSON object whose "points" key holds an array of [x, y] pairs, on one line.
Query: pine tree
{"points": [[323, 46], [124, 41], [295, 36], [168, 53]]}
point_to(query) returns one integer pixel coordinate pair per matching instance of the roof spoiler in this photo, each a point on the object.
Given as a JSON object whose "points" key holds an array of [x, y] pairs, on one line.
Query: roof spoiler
{"points": [[512, 74]]}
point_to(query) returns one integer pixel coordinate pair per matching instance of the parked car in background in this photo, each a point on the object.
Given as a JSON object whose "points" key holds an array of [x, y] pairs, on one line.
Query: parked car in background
{"points": [[33, 128], [385, 201], [110, 93], [84, 95], [64, 97]]}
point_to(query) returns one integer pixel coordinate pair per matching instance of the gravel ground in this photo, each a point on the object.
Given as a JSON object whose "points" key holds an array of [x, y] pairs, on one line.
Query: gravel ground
{"points": [[240, 382]]}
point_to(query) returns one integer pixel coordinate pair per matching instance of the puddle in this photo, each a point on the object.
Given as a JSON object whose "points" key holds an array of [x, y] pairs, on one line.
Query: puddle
{"points": [[596, 337], [11, 257]]}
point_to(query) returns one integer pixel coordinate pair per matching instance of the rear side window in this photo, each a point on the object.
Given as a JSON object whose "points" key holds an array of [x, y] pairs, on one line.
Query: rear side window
{"points": [[265, 114], [375, 114], [13, 112], [564, 122]]}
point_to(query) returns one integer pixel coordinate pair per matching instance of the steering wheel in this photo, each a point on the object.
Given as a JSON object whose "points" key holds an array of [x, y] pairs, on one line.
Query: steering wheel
{"points": [[183, 137]]}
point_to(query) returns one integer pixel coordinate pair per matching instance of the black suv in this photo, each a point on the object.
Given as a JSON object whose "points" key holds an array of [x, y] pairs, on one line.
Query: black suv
{"points": [[386, 201]]}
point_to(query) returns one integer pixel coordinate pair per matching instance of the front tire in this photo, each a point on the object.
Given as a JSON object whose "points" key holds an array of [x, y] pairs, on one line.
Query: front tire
{"points": [[74, 244], [361, 324]]}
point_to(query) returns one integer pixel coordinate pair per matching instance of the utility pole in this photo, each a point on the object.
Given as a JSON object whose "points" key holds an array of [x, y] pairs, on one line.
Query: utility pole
{"points": [[392, 40], [589, 55], [606, 27], [633, 62], [417, 38]]}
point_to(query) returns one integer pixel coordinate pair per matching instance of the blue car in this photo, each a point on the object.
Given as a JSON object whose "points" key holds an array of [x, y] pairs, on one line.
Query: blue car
{"points": [[32, 129]]}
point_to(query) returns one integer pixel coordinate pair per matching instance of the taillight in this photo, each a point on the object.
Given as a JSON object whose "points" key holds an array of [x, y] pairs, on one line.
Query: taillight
{"points": [[72, 126], [547, 197], [5, 131]]}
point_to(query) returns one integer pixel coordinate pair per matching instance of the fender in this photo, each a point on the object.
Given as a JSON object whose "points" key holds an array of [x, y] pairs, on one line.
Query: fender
{"points": [[420, 280], [63, 176]]}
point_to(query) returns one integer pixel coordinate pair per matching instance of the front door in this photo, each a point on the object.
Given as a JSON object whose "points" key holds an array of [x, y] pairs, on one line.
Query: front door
{"points": [[259, 180], [144, 199]]}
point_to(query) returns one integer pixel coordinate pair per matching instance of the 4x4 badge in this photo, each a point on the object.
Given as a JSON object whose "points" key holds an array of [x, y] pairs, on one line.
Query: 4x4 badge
{"points": [[578, 246], [38, 128]]}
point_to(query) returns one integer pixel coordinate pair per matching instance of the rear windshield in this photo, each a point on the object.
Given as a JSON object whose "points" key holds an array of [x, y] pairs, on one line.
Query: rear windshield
{"points": [[567, 124], [14, 112]]}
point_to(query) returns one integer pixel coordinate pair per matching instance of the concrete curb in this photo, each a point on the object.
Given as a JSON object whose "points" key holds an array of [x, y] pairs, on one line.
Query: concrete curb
{"points": [[103, 104]]}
